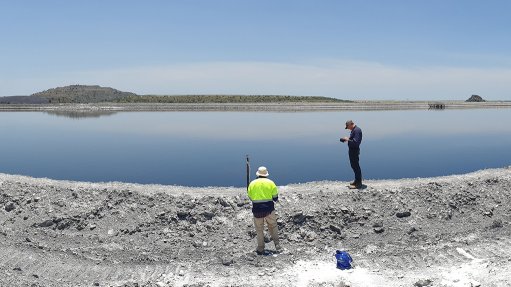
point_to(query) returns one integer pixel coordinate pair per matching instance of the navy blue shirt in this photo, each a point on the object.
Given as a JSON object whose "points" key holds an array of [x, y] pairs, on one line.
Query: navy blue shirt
{"points": [[355, 138]]}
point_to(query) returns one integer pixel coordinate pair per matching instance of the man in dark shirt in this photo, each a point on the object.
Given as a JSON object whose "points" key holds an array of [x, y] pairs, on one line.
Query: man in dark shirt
{"points": [[354, 142]]}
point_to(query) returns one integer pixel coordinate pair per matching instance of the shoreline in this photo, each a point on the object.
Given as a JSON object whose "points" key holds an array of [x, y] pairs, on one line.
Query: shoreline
{"points": [[231, 190], [255, 107]]}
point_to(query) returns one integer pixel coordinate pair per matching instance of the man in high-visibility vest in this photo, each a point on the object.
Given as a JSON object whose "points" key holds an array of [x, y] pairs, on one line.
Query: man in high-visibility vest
{"points": [[263, 193]]}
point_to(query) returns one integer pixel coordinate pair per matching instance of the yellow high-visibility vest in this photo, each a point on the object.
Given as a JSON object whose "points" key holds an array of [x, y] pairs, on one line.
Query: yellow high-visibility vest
{"points": [[262, 190]]}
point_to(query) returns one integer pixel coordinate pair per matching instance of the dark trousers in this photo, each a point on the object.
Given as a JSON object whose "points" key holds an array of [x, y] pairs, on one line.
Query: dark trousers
{"points": [[354, 161]]}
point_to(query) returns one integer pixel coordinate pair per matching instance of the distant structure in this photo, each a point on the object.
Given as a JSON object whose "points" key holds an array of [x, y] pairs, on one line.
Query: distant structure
{"points": [[475, 99], [436, 106]]}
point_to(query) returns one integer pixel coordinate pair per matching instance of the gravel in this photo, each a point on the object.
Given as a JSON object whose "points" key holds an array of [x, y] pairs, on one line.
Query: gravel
{"points": [[119, 234]]}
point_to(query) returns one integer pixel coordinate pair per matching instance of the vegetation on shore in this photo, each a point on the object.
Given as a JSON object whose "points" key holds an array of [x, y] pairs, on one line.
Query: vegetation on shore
{"points": [[194, 99]]}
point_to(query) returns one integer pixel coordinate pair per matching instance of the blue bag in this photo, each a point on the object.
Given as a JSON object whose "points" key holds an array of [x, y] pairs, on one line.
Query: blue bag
{"points": [[343, 260]]}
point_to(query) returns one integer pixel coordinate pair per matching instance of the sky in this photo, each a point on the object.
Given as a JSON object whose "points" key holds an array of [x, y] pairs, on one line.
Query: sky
{"points": [[356, 50]]}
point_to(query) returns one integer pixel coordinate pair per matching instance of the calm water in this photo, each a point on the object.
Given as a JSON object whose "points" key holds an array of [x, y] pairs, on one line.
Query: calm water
{"points": [[208, 148]]}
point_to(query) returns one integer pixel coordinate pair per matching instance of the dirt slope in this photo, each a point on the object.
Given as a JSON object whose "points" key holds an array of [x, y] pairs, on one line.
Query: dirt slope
{"points": [[453, 231]]}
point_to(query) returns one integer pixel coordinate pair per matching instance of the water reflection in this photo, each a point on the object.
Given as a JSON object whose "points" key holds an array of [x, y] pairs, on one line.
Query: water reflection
{"points": [[81, 114]]}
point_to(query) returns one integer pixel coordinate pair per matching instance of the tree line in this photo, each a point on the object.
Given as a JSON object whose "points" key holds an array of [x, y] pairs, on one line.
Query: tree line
{"points": [[192, 99]]}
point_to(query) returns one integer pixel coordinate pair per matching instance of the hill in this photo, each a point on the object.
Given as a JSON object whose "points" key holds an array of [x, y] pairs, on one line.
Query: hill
{"points": [[98, 94], [475, 99], [82, 94]]}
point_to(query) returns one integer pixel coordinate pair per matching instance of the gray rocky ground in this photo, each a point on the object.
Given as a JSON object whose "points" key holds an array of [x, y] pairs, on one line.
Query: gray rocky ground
{"points": [[447, 231]]}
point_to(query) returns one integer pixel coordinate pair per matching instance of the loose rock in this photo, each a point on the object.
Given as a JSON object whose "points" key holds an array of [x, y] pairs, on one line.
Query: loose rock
{"points": [[208, 215], [335, 228], [227, 260], [223, 202], [423, 283], [46, 223], [10, 207], [299, 218], [379, 230], [403, 214], [412, 230], [497, 223]]}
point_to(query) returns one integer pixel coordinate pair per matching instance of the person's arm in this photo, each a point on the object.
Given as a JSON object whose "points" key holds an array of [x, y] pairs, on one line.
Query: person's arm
{"points": [[355, 141], [275, 193], [250, 191]]}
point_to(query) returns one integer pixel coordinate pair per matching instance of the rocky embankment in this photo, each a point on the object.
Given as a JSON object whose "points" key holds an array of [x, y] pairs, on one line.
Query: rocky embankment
{"points": [[447, 231]]}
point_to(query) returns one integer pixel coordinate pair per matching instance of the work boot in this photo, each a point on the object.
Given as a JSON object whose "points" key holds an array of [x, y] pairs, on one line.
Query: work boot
{"points": [[357, 185], [265, 252]]}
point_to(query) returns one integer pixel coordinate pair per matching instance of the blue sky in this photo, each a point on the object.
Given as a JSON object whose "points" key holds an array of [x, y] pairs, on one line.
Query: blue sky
{"points": [[410, 49]]}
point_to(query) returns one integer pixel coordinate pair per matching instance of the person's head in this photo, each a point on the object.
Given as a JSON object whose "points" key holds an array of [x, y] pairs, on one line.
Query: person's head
{"points": [[350, 125], [262, 172]]}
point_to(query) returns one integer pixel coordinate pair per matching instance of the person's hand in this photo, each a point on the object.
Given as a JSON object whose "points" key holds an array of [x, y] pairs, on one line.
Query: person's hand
{"points": [[345, 139]]}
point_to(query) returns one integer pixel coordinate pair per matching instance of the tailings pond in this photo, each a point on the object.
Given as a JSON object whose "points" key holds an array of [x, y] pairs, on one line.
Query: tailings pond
{"points": [[209, 148]]}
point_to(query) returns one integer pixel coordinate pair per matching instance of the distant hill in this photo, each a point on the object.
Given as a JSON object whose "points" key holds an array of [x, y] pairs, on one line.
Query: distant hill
{"points": [[475, 98], [82, 94], [97, 94]]}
